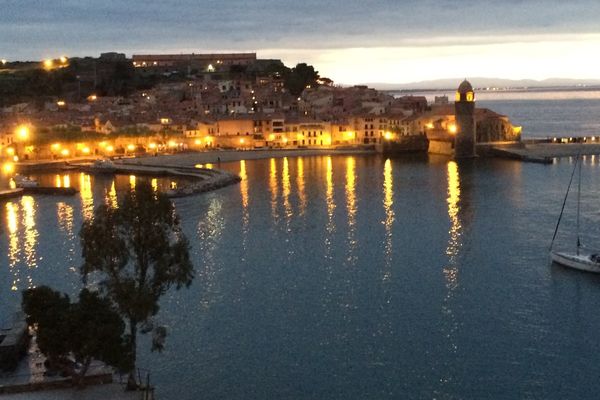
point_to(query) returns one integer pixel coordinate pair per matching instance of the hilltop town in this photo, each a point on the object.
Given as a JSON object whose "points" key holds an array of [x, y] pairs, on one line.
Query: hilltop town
{"points": [[114, 105]]}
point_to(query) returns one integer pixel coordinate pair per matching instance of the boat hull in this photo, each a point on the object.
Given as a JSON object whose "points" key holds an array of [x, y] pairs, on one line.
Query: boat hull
{"points": [[581, 262]]}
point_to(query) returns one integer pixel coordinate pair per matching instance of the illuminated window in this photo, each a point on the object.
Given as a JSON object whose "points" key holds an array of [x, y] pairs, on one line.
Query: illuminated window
{"points": [[470, 96]]}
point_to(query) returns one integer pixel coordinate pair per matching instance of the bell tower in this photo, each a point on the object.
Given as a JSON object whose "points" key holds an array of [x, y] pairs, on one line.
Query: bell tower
{"points": [[464, 108]]}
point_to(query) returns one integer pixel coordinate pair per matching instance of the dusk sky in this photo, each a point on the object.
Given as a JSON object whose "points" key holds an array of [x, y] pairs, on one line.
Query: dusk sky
{"points": [[348, 41]]}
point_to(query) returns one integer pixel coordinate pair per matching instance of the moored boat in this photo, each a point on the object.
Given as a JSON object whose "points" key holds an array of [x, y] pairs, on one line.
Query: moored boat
{"points": [[582, 262]]}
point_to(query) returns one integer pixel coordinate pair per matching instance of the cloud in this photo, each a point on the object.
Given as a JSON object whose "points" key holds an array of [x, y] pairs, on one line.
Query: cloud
{"points": [[315, 29]]}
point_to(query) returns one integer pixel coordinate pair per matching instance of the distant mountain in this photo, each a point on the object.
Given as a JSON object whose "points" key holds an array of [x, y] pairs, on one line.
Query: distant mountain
{"points": [[452, 83]]}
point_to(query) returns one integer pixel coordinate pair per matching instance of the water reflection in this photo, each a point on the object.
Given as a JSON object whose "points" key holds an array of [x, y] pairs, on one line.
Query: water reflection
{"points": [[351, 207], [329, 200], [210, 229], [13, 242], [451, 324], [65, 217], [132, 180], [388, 203], [301, 185], [285, 180], [111, 196], [273, 188], [87, 197], [245, 209]]}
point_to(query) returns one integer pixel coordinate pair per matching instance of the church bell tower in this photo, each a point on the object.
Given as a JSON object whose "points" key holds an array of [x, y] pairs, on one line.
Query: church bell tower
{"points": [[464, 108]]}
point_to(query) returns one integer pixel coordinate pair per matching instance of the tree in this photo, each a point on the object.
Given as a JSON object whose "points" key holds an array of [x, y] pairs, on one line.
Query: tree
{"points": [[88, 330], [299, 77], [137, 252]]}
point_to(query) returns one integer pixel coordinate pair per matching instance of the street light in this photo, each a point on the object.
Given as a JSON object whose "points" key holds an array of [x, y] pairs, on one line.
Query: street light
{"points": [[22, 132]]}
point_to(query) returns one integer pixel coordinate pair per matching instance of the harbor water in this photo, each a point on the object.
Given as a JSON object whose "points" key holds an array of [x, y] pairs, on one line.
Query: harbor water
{"points": [[352, 277]]}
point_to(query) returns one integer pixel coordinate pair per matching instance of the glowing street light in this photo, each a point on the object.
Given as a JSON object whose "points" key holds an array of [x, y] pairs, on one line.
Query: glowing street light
{"points": [[8, 168], [10, 151], [65, 152], [22, 132], [452, 129], [387, 135], [92, 97], [61, 103], [130, 147]]}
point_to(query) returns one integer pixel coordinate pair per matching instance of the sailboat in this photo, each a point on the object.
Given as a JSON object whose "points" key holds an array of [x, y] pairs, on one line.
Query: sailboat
{"points": [[581, 258]]}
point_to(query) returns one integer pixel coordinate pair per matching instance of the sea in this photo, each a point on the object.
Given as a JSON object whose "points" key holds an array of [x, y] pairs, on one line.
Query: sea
{"points": [[360, 276]]}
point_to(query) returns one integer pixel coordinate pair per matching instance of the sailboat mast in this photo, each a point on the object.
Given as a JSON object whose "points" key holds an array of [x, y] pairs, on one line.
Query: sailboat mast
{"points": [[578, 203]]}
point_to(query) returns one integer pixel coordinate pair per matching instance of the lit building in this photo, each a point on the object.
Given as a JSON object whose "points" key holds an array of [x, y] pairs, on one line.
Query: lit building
{"points": [[464, 132]]}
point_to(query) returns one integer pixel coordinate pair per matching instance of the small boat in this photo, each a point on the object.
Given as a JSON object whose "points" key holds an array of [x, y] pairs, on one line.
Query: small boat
{"points": [[582, 262], [24, 182], [579, 259]]}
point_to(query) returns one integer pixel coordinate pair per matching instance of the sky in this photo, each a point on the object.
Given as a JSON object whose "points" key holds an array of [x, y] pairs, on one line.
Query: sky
{"points": [[349, 41]]}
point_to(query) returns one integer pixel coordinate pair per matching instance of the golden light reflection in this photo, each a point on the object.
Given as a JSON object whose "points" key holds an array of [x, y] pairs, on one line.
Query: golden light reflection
{"points": [[388, 202], [28, 205], [451, 269], [13, 242], [154, 184], [453, 209], [351, 206], [64, 213], [132, 181], [301, 185], [330, 226], [87, 197], [273, 187], [245, 208], [111, 196], [66, 181], [285, 180], [244, 184]]}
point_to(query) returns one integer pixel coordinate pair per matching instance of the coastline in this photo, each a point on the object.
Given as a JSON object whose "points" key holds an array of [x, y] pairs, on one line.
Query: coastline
{"points": [[213, 157]]}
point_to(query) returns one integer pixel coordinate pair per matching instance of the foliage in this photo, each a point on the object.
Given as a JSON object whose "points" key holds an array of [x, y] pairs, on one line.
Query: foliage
{"points": [[137, 252], [87, 330], [299, 77]]}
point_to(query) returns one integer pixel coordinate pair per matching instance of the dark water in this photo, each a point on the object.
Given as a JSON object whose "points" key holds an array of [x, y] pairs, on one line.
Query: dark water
{"points": [[355, 278]]}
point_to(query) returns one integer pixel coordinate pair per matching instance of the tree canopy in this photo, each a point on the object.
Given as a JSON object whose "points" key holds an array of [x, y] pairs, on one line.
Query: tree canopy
{"points": [[90, 329], [136, 253]]}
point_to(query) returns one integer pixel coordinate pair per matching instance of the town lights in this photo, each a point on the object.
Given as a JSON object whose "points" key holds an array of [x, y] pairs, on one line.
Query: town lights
{"points": [[152, 146], [387, 135], [92, 97], [241, 141], [85, 150], [130, 147], [63, 60], [55, 146], [8, 168], [10, 151], [452, 129], [48, 64], [65, 152], [22, 132], [110, 149], [61, 103], [197, 142], [172, 144]]}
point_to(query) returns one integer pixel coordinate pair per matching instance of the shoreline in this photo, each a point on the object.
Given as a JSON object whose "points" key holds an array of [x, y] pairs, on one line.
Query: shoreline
{"points": [[190, 159]]}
